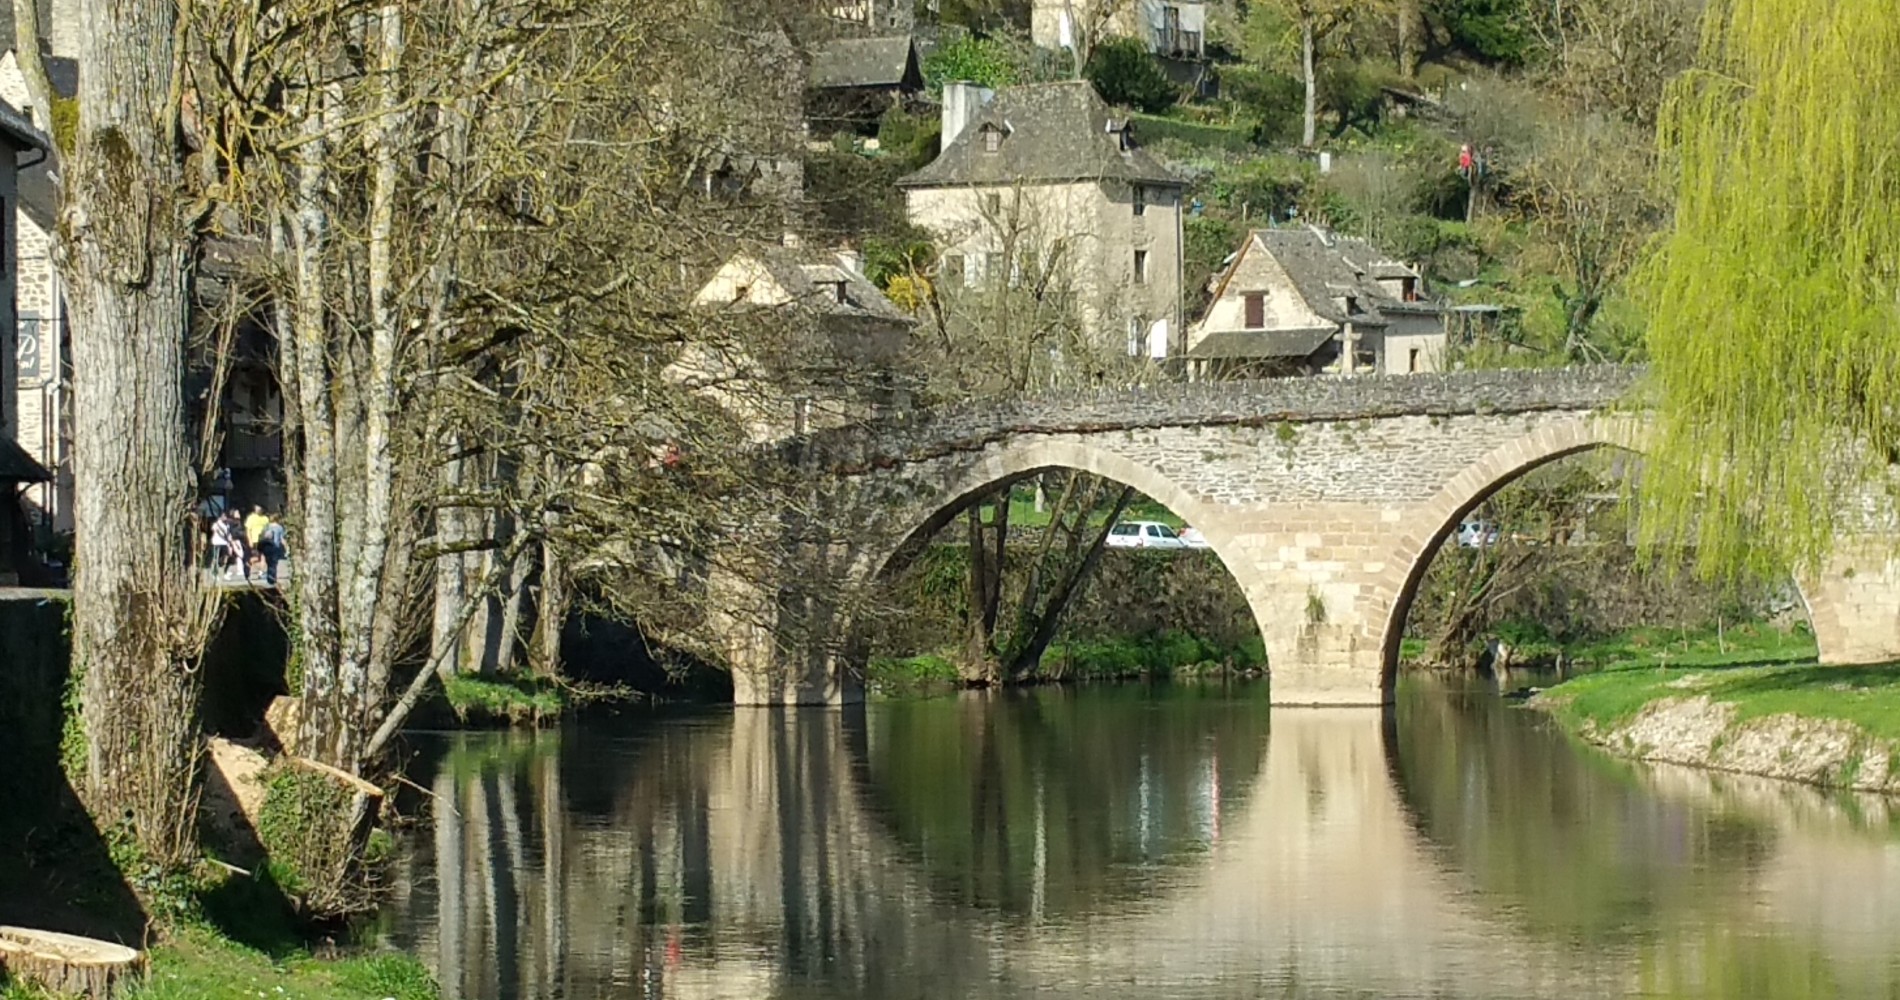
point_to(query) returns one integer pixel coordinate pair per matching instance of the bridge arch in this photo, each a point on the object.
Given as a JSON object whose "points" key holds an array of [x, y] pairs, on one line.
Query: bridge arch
{"points": [[1498, 469], [1013, 460]]}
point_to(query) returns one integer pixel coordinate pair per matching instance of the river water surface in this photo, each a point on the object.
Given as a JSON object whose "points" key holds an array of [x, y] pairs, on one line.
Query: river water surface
{"points": [[1129, 841]]}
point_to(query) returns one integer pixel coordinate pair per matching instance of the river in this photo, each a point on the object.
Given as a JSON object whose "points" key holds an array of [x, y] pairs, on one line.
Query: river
{"points": [[1124, 841]]}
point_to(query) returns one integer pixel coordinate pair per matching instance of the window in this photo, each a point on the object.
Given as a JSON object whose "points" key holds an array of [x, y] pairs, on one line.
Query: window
{"points": [[992, 139], [1141, 200], [993, 205], [1135, 329], [1408, 289], [1411, 361], [993, 265], [1256, 310], [953, 269], [1141, 267], [740, 293]]}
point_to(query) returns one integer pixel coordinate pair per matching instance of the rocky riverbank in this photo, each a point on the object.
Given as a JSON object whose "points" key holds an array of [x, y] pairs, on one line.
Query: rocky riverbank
{"points": [[1837, 727]]}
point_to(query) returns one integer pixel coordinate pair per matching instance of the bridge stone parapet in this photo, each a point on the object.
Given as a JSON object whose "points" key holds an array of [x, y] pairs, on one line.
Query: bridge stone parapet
{"points": [[930, 433], [1324, 498]]}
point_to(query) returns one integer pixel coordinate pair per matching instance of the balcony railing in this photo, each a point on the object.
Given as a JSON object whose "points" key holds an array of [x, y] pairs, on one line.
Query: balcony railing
{"points": [[1178, 43]]}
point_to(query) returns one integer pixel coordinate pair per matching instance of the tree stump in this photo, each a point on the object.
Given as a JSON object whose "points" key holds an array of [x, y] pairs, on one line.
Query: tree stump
{"points": [[69, 965]]}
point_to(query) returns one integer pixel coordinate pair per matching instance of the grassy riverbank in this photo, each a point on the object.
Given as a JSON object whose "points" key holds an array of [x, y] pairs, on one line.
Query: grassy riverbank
{"points": [[1172, 654], [198, 964], [1760, 705], [1606, 701]]}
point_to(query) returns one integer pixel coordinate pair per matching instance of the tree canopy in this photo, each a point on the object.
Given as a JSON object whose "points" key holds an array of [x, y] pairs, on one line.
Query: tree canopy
{"points": [[1774, 322]]}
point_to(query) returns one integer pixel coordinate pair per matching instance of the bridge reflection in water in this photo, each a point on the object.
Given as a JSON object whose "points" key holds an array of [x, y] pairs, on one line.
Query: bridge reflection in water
{"points": [[1113, 840]]}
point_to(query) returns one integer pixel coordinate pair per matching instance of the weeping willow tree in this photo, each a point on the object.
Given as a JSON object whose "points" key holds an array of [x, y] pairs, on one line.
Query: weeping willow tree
{"points": [[1774, 301]]}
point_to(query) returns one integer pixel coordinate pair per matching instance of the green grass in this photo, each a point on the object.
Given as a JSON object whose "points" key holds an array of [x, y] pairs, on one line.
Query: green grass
{"points": [[1023, 513], [1751, 644], [1169, 654], [516, 700], [199, 965], [1757, 669]]}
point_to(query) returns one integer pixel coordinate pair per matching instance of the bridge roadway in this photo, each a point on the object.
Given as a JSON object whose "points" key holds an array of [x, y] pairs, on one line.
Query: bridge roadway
{"points": [[1324, 498]]}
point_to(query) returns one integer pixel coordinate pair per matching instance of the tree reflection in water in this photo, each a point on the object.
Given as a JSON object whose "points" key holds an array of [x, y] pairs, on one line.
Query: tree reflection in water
{"points": [[1080, 842]]}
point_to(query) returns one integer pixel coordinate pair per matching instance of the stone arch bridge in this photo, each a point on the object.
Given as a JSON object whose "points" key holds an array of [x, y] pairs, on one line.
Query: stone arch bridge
{"points": [[1324, 498]]}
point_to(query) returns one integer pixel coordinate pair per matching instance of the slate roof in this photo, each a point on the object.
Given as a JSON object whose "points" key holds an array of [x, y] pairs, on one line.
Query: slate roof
{"points": [[19, 129], [16, 466], [864, 62], [1052, 132], [1262, 343], [1324, 266], [801, 274]]}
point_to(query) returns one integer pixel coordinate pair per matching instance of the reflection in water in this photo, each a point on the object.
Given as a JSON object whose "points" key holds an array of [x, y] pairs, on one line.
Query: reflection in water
{"points": [[1117, 839]]}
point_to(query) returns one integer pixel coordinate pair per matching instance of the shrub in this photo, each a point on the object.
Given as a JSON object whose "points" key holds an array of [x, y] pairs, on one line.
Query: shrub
{"points": [[981, 61], [1127, 75]]}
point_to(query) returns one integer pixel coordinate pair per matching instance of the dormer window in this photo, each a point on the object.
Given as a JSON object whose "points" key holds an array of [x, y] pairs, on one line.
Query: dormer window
{"points": [[840, 287], [1141, 200], [992, 138]]}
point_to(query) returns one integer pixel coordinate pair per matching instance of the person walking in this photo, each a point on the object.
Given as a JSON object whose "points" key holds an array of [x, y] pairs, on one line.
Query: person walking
{"points": [[240, 551], [221, 544], [254, 526], [271, 544]]}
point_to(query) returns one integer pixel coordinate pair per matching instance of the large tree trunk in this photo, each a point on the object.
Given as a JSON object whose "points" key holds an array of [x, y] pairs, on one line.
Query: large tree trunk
{"points": [[126, 252], [316, 575], [1309, 122]]}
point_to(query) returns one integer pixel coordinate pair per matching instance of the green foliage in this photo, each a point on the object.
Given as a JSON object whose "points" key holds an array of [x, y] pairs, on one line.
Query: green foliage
{"points": [[72, 731], [1126, 75], [1772, 329], [887, 257], [911, 139], [1271, 100], [305, 830], [1350, 91], [1494, 30], [1151, 129], [516, 699], [983, 61]]}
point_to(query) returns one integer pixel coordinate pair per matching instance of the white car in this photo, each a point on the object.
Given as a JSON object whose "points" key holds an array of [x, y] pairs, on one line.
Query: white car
{"points": [[1192, 538], [1477, 534], [1144, 535]]}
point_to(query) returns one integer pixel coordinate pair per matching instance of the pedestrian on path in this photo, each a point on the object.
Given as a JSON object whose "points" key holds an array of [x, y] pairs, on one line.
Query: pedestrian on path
{"points": [[271, 544], [254, 526], [221, 545], [236, 542]]}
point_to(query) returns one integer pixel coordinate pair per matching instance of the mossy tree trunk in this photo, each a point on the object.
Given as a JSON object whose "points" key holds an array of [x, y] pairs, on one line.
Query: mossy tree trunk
{"points": [[126, 238]]}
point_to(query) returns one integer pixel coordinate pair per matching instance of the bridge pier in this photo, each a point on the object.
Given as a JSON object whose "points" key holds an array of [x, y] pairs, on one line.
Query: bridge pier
{"points": [[782, 643], [1854, 605]]}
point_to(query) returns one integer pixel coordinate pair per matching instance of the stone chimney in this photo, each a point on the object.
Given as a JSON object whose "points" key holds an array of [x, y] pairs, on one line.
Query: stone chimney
{"points": [[851, 260], [962, 102], [60, 23]]}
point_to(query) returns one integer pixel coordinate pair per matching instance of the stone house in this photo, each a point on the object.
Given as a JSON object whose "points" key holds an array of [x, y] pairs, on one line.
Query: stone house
{"points": [[22, 146], [855, 80], [1301, 301], [1172, 29], [36, 405], [833, 342], [1048, 173]]}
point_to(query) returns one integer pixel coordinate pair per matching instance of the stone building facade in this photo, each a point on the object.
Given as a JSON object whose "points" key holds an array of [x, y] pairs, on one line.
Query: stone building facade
{"points": [[1047, 174], [1304, 301], [1169, 28]]}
